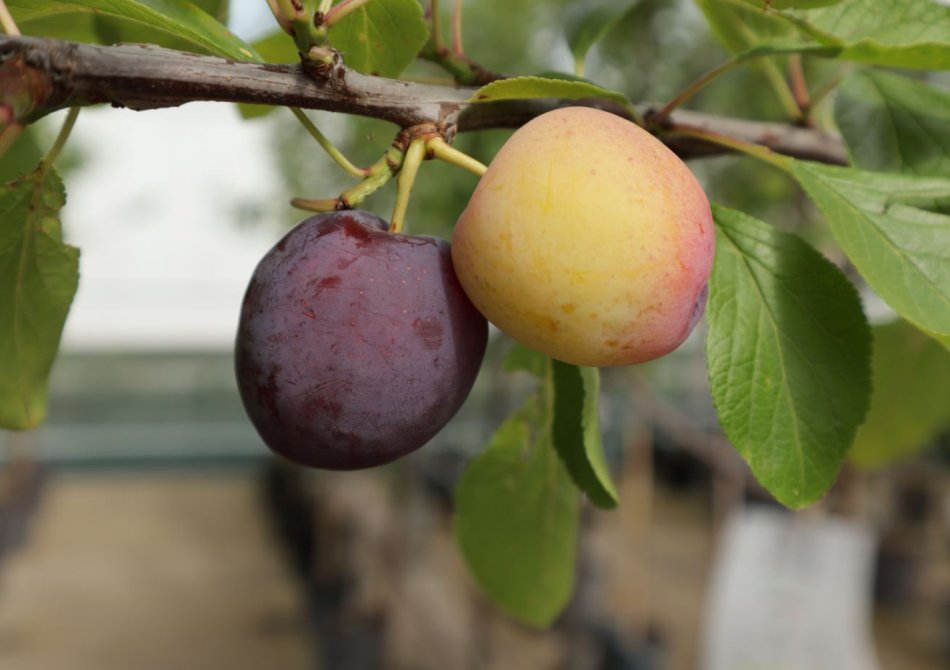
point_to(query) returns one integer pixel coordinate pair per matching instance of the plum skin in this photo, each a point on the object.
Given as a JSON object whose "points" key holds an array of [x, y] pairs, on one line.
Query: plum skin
{"points": [[355, 345], [588, 240]]}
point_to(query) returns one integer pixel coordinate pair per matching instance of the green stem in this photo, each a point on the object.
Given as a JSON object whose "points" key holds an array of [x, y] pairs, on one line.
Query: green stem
{"points": [[407, 177], [327, 146], [6, 20], [324, 6], [61, 138], [756, 150], [780, 86], [436, 20], [694, 88], [457, 29], [342, 10], [279, 17], [440, 149], [796, 75], [377, 174]]}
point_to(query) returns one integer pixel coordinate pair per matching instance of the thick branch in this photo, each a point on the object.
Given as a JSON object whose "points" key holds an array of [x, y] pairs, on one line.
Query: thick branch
{"points": [[38, 76]]}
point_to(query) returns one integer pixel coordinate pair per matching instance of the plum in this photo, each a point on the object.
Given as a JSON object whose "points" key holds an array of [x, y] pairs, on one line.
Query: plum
{"points": [[588, 240], [355, 345]]}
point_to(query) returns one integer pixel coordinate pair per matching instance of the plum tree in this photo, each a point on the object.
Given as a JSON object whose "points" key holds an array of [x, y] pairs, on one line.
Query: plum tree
{"points": [[355, 345], [587, 239]]}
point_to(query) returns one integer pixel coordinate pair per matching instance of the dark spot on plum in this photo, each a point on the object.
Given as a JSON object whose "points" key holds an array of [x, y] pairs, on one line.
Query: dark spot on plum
{"points": [[429, 331], [331, 281]]}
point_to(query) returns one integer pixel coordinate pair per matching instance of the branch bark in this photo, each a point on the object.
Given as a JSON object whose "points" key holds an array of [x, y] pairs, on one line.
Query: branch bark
{"points": [[39, 76]]}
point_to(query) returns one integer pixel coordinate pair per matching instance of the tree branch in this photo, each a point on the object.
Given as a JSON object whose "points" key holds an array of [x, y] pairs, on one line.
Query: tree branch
{"points": [[39, 76]]}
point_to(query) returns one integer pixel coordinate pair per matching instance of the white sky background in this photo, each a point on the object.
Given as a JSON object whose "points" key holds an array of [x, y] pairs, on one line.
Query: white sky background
{"points": [[154, 209]]}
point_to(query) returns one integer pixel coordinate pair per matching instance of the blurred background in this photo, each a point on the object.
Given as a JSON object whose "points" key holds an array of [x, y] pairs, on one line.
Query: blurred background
{"points": [[144, 525]]}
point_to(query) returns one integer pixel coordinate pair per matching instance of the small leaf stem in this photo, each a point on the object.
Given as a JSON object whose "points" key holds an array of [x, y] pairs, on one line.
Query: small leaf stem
{"points": [[324, 6], [342, 10], [442, 150], [796, 75], [327, 146], [6, 20], [694, 88], [282, 21], [457, 29], [415, 154], [60, 140], [782, 91], [436, 20], [756, 150]]}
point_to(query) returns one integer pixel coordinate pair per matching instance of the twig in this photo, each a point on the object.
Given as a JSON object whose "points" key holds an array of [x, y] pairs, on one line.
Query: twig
{"points": [[57, 74]]}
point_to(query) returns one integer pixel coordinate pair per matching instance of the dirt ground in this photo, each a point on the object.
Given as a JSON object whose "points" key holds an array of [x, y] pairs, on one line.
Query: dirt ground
{"points": [[150, 572]]}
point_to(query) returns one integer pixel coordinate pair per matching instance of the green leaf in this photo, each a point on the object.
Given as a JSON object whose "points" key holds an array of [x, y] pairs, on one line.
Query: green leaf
{"points": [[586, 24], [741, 27], [787, 353], [791, 4], [171, 23], [522, 88], [38, 278], [896, 33], [911, 400], [22, 157], [516, 518], [381, 37], [895, 124], [576, 431], [901, 250]]}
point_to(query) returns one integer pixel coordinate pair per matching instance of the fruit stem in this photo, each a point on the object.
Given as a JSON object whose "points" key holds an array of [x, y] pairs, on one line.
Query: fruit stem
{"points": [[442, 150], [756, 150], [407, 177], [377, 174], [341, 11], [6, 20], [327, 146]]}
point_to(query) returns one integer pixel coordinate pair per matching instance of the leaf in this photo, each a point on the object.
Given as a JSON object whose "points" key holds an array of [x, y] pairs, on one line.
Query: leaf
{"points": [[381, 37], [522, 88], [911, 400], [586, 24], [165, 22], [895, 124], [896, 33], [901, 250], [38, 278], [516, 519], [787, 353], [576, 431], [22, 156], [791, 4], [741, 27]]}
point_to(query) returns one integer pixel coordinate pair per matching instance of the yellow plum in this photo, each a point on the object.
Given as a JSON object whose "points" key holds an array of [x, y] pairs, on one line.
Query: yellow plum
{"points": [[588, 240]]}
